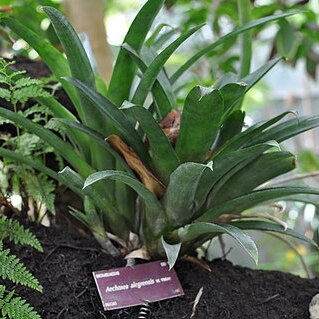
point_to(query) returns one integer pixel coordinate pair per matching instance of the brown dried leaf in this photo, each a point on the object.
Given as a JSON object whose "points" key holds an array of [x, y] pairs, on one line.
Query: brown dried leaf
{"points": [[141, 253], [196, 261], [135, 163]]}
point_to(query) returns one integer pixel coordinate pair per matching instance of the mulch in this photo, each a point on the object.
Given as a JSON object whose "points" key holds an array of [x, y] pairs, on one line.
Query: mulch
{"points": [[65, 271]]}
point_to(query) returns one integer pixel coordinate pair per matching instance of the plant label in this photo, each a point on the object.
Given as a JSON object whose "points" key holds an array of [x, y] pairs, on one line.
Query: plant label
{"points": [[132, 286]]}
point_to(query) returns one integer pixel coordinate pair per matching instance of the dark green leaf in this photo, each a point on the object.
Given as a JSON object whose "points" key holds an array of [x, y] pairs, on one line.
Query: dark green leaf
{"points": [[61, 147], [200, 122], [156, 66], [179, 200], [119, 120], [125, 69], [268, 226], [232, 126], [253, 173], [155, 218], [241, 203], [193, 231], [163, 155], [172, 252], [162, 90]]}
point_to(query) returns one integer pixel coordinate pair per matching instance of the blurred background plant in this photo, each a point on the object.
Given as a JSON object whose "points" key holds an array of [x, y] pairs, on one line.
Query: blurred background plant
{"points": [[291, 86]]}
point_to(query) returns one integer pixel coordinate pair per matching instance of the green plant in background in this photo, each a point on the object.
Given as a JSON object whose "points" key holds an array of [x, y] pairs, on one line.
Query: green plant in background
{"points": [[12, 269], [162, 182], [29, 12], [296, 38], [21, 179]]}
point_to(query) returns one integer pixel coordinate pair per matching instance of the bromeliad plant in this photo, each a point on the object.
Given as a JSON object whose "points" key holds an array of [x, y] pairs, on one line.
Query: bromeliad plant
{"points": [[163, 181]]}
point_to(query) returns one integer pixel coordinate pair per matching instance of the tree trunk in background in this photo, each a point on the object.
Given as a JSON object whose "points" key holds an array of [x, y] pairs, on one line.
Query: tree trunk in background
{"points": [[87, 16]]}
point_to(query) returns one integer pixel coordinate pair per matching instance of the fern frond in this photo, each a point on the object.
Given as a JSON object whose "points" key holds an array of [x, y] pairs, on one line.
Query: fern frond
{"points": [[13, 269], [15, 307], [41, 189], [22, 95], [37, 109], [27, 81], [5, 94], [15, 232]]}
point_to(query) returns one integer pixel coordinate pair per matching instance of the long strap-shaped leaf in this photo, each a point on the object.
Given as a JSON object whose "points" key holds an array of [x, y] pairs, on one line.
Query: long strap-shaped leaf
{"points": [[250, 175], [268, 226], [241, 203], [99, 138], [30, 162], [164, 157], [81, 69], [78, 60], [101, 200], [162, 90], [156, 66], [61, 147], [200, 122], [242, 139], [51, 56], [196, 230], [222, 40], [154, 214], [254, 77], [117, 117], [288, 129], [221, 166], [59, 111], [125, 69], [179, 199]]}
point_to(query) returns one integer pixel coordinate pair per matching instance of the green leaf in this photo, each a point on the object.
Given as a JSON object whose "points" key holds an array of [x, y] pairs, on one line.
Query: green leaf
{"points": [[221, 166], [232, 126], [99, 138], [200, 122], [243, 202], [253, 173], [156, 66], [222, 40], [18, 234], [63, 148], [81, 69], [163, 155], [286, 39], [171, 251], [252, 78], [38, 166], [77, 58], [231, 93], [102, 200], [242, 139], [179, 200], [125, 69], [269, 226], [286, 130], [154, 217], [162, 90], [59, 111], [193, 231], [13, 269], [51, 56], [117, 117]]}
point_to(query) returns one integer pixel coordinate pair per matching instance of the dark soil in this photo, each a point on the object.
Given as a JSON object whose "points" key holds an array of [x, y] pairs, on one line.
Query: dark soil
{"points": [[65, 271]]}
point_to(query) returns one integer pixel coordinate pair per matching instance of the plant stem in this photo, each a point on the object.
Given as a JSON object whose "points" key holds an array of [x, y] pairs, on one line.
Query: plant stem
{"points": [[244, 12]]}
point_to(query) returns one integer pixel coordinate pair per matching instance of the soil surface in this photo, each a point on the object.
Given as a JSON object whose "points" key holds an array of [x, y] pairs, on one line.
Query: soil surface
{"points": [[65, 271]]}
